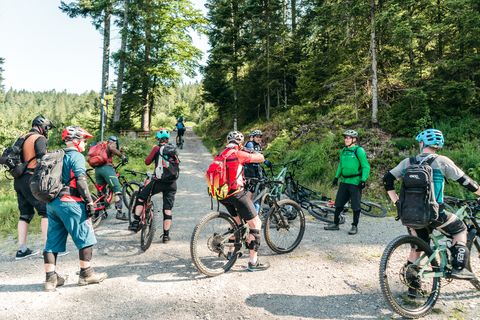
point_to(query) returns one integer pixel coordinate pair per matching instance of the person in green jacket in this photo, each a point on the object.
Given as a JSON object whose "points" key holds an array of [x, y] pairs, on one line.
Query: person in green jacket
{"points": [[352, 172]]}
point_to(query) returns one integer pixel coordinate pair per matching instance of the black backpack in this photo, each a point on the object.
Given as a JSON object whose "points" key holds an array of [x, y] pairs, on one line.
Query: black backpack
{"points": [[168, 167], [418, 206], [46, 182], [12, 157]]}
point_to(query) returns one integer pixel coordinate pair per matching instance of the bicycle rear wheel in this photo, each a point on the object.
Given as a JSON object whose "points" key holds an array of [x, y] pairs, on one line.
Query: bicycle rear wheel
{"points": [[474, 261], [149, 228], [210, 245], [284, 226], [128, 189], [321, 211], [411, 290], [373, 209], [99, 215]]}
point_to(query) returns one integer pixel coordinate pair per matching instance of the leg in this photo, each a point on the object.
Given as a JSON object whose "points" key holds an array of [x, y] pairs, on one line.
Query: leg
{"points": [[355, 199], [340, 200], [168, 201], [27, 212], [139, 204], [87, 274]]}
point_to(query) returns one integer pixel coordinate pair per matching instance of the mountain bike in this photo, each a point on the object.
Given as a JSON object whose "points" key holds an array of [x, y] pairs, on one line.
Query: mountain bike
{"points": [[148, 218], [179, 140], [412, 290], [129, 187], [217, 240]]}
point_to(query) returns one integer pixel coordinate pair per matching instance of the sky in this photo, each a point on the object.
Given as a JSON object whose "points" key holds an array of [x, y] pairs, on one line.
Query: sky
{"points": [[44, 49]]}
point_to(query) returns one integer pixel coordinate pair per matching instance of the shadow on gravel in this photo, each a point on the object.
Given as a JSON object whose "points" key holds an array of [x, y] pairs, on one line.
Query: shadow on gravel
{"points": [[326, 307]]}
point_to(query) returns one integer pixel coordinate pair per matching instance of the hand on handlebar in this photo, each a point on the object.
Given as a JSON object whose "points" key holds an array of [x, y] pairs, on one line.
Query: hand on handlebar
{"points": [[90, 208]]}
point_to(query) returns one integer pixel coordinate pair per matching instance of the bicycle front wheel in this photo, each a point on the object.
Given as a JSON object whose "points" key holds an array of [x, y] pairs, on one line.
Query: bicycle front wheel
{"points": [[131, 206], [212, 240], [411, 290], [474, 261], [128, 189], [148, 228], [321, 211], [284, 226], [99, 215], [373, 209]]}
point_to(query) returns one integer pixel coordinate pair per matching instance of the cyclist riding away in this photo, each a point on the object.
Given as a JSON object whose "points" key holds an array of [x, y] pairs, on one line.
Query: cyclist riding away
{"points": [[180, 128], [165, 156], [100, 157], [353, 171], [239, 203], [430, 141], [69, 213]]}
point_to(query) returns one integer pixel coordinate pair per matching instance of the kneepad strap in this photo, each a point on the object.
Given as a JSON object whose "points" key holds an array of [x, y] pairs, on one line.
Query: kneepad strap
{"points": [[254, 244]]}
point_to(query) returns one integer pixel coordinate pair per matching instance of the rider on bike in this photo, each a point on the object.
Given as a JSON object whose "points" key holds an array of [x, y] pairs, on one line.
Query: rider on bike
{"points": [[180, 128], [430, 141], [163, 150], [240, 204]]}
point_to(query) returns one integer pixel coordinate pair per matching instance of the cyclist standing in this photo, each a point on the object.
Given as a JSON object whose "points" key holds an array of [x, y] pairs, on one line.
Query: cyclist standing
{"points": [[105, 174], [180, 128], [69, 213], [353, 171], [239, 204], [34, 147], [161, 154], [430, 141]]}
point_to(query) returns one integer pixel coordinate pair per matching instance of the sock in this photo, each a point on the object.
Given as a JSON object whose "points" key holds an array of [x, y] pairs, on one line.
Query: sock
{"points": [[85, 272], [253, 261], [165, 232], [50, 274], [23, 248]]}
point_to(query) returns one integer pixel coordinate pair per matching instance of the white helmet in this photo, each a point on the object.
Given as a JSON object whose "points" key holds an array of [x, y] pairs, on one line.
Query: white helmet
{"points": [[235, 137]]}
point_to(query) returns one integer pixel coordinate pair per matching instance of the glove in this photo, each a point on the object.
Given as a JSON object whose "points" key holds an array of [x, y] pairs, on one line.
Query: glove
{"points": [[267, 163], [90, 207], [124, 159], [335, 182], [397, 205], [362, 185]]}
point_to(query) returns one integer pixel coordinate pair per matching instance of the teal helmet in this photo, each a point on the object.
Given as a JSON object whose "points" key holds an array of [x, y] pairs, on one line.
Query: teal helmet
{"points": [[431, 138], [162, 134], [180, 119]]}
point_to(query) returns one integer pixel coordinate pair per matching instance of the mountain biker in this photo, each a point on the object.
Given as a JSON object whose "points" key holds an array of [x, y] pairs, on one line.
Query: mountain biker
{"points": [[69, 213], [239, 204], [180, 128], [34, 147], [168, 188], [105, 174], [430, 141], [353, 171]]}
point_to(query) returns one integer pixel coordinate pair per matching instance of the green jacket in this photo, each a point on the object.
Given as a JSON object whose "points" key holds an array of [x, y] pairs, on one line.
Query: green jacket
{"points": [[351, 169]]}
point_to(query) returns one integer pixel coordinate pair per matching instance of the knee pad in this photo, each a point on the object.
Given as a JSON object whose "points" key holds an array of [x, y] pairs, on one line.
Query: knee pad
{"points": [[166, 216], [139, 202], [255, 243], [460, 255], [118, 201], [49, 257], [85, 254]]}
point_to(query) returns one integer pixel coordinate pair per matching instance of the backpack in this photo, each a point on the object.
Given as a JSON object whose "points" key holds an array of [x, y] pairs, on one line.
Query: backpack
{"points": [[180, 125], [418, 207], [97, 155], [168, 168], [46, 182], [222, 175], [12, 157]]}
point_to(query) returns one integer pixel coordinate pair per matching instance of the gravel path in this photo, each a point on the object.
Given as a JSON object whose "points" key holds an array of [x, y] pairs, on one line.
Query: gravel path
{"points": [[331, 275]]}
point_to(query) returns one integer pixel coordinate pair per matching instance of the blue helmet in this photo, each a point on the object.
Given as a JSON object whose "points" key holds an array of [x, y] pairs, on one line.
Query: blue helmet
{"points": [[162, 134], [431, 138]]}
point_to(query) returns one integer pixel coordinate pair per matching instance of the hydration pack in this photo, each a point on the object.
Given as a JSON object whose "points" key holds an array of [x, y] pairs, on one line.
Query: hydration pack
{"points": [[97, 154], [46, 182], [168, 168], [222, 175], [418, 206], [12, 157], [180, 126]]}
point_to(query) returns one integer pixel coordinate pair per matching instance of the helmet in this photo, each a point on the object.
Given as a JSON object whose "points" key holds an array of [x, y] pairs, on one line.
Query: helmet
{"points": [[114, 139], [180, 119], [162, 134], [235, 137], [256, 133], [431, 138], [75, 132], [350, 133], [43, 123]]}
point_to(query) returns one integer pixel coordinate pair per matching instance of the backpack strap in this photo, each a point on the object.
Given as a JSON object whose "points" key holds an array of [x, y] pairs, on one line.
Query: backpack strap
{"points": [[429, 159], [413, 160]]}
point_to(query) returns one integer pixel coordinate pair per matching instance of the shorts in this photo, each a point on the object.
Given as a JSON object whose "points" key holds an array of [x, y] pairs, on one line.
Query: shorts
{"points": [[27, 203], [447, 223], [181, 131], [168, 189], [240, 204], [347, 192], [106, 175], [68, 218]]}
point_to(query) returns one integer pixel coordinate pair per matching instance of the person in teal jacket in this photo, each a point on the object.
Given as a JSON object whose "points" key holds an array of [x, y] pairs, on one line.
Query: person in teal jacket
{"points": [[352, 171]]}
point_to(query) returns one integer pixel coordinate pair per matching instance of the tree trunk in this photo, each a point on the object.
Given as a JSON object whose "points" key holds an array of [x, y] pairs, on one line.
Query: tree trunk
{"points": [[267, 12], [374, 66], [234, 18], [294, 14], [146, 76], [121, 65], [105, 65]]}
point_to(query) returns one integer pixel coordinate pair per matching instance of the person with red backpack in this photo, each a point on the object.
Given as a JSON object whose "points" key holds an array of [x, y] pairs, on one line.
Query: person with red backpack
{"points": [[236, 199], [100, 157], [165, 156]]}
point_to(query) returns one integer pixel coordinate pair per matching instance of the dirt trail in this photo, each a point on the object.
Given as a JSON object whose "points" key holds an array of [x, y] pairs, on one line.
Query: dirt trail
{"points": [[331, 275]]}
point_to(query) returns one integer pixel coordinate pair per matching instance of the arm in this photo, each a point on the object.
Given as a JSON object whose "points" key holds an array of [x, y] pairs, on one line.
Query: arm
{"points": [[40, 147], [451, 171], [339, 168], [151, 157], [247, 157], [390, 177], [79, 171], [362, 157], [115, 151]]}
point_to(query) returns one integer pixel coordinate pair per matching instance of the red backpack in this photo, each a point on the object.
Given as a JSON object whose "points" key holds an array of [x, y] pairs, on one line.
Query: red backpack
{"points": [[222, 175], [97, 155]]}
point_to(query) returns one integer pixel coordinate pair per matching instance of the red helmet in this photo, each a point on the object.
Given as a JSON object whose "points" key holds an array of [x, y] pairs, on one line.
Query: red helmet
{"points": [[75, 132]]}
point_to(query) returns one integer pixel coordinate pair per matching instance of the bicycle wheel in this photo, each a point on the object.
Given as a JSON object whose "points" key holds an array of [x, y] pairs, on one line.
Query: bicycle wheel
{"points": [[99, 215], [131, 206], [373, 209], [320, 211], [474, 261], [411, 290], [148, 229], [128, 189], [284, 226], [210, 243]]}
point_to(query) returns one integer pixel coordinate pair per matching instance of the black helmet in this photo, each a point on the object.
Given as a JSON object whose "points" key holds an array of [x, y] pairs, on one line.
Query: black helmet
{"points": [[114, 139], [43, 123]]}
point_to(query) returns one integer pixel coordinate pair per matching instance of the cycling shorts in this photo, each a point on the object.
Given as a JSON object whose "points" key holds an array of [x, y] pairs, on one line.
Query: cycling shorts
{"points": [[447, 223], [168, 190], [27, 203], [240, 204]]}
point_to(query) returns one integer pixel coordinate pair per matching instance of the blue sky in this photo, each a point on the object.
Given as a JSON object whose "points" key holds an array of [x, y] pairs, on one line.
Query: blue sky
{"points": [[44, 49]]}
